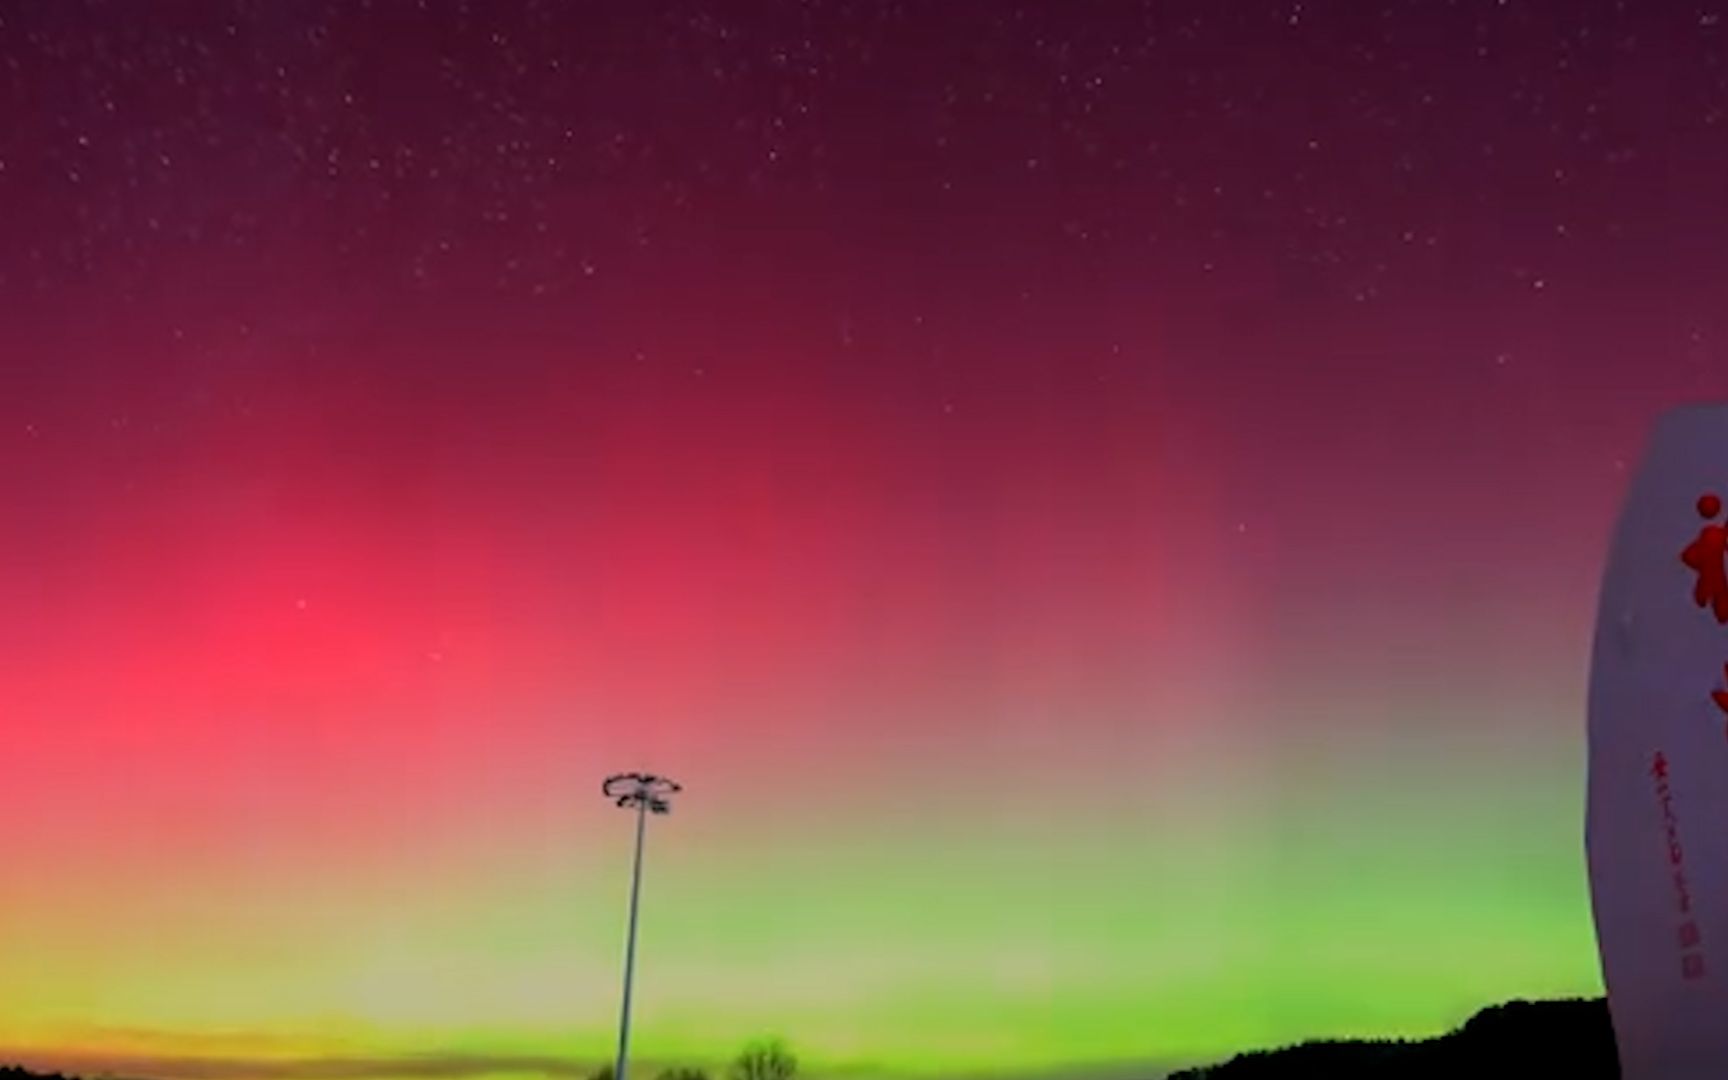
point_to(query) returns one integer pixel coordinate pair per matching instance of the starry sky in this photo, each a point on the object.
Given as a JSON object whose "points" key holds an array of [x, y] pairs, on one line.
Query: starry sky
{"points": [[1100, 503]]}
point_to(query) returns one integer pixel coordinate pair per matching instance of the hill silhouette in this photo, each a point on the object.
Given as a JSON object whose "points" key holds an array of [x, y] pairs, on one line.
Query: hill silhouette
{"points": [[1569, 1038]]}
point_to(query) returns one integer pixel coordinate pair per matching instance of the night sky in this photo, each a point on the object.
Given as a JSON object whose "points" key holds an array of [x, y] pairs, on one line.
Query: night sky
{"points": [[1100, 503]]}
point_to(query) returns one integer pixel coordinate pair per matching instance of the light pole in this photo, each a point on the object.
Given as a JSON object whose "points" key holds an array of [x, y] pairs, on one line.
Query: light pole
{"points": [[647, 794]]}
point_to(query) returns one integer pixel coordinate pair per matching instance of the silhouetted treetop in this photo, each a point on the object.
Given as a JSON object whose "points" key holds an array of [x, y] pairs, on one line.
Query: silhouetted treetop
{"points": [[764, 1059]]}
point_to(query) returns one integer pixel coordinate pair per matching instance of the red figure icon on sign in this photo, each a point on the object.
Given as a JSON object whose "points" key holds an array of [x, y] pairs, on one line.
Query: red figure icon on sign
{"points": [[1720, 697], [1708, 558]]}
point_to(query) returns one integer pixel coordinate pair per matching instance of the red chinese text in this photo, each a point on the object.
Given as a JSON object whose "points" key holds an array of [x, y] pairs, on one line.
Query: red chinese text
{"points": [[1689, 937]]}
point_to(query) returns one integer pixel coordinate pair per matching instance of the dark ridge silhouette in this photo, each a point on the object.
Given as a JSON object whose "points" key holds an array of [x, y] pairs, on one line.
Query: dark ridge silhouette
{"points": [[1570, 1038], [13, 1072]]}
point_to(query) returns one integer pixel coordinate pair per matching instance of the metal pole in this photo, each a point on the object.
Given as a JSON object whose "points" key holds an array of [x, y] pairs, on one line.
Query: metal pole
{"points": [[630, 947]]}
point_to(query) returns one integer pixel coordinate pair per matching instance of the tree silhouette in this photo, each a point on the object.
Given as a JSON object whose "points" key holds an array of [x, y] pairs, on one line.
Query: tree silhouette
{"points": [[604, 1072], [764, 1059]]}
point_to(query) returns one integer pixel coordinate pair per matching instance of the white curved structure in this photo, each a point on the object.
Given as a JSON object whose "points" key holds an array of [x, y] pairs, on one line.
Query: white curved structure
{"points": [[1657, 823]]}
